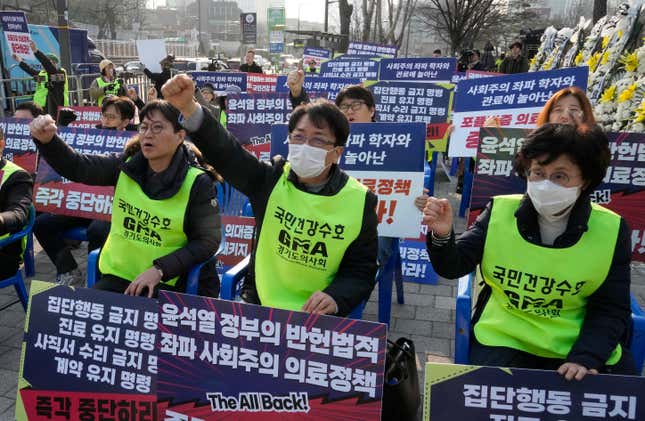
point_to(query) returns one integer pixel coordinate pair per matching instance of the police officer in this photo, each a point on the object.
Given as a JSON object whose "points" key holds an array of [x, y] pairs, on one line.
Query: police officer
{"points": [[51, 82], [107, 84]]}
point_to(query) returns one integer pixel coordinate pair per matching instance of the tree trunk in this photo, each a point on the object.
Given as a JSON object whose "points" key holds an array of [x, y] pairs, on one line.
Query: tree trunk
{"points": [[345, 11], [599, 9]]}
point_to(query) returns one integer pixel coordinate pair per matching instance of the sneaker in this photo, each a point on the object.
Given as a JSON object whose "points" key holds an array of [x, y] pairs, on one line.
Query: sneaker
{"points": [[73, 278]]}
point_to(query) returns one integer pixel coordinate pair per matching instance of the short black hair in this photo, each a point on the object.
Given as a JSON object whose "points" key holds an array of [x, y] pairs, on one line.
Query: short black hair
{"points": [[586, 145], [516, 44], [169, 112], [437, 51], [32, 107], [123, 104], [323, 113], [357, 92]]}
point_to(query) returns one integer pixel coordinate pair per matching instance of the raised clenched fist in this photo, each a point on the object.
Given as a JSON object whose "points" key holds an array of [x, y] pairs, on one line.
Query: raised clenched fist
{"points": [[179, 92], [43, 128]]}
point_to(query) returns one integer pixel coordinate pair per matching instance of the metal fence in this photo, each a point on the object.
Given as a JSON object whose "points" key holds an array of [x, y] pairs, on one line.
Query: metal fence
{"points": [[15, 91]]}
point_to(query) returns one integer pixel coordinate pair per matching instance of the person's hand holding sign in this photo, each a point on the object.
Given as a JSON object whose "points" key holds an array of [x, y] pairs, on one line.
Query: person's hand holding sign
{"points": [[179, 92], [576, 371], [437, 215], [43, 128], [320, 303]]}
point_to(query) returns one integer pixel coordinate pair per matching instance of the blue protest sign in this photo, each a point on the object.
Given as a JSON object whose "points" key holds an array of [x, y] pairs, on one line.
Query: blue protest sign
{"points": [[516, 99], [358, 68], [220, 80], [415, 262], [422, 69], [320, 85], [368, 48], [407, 102], [56, 195], [90, 349], [321, 53], [458, 392], [16, 33], [243, 362], [388, 159], [250, 117], [19, 148]]}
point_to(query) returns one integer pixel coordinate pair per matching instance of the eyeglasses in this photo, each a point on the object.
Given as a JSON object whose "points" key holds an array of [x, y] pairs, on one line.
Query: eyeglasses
{"points": [[576, 112], [354, 105], [316, 141], [155, 128], [111, 116], [559, 177]]}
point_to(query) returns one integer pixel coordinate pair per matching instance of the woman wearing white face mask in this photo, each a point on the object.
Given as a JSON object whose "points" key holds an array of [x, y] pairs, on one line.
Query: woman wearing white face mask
{"points": [[556, 267]]}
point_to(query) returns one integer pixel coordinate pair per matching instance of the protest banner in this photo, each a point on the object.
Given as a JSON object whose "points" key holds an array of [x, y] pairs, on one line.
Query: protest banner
{"points": [[16, 33], [87, 117], [318, 54], [368, 48], [249, 362], [473, 393], [415, 262], [261, 83], [388, 159], [477, 74], [249, 28], [151, 52], [516, 99], [87, 354], [19, 148], [238, 231], [622, 190], [220, 80], [350, 67], [250, 117], [54, 194], [320, 85], [418, 69]]}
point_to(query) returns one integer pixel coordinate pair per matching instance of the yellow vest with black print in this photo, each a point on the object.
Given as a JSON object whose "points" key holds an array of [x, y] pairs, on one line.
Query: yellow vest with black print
{"points": [[102, 84], [144, 229], [40, 95], [7, 171], [303, 240], [539, 294]]}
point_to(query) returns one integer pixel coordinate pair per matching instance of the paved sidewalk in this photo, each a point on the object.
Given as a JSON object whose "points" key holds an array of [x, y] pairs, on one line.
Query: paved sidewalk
{"points": [[427, 315]]}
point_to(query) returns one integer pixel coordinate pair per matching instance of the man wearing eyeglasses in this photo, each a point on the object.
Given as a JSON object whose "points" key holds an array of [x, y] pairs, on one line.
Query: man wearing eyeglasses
{"points": [[316, 226]]}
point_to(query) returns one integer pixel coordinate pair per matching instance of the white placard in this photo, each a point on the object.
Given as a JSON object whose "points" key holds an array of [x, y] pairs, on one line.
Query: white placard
{"points": [[151, 52]]}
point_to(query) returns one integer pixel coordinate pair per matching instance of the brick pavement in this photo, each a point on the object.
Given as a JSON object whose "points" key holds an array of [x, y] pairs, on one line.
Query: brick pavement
{"points": [[427, 315]]}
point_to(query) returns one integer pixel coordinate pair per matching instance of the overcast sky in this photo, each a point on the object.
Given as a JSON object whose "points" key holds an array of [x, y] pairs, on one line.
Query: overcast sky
{"points": [[310, 10]]}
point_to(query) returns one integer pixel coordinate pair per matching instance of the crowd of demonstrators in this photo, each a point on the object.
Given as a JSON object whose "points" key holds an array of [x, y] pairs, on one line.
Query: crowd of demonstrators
{"points": [[160, 174], [107, 84], [554, 232], [160, 78], [339, 273], [16, 187], [249, 65], [51, 82], [116, 114]]}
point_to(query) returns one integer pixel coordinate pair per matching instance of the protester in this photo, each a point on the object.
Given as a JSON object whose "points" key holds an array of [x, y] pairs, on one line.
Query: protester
{"points": [[16, 186], [222, 102], [51, 82], [339, 270], [165, 214], [312, 67], [160, 78], [567, 106], [515, 62], [475, 63], [134, 97], [436, 53], [107, 84], [116, 113], [498, 61], [250, 66], [556, 267], [207, 99], [28, 110]]}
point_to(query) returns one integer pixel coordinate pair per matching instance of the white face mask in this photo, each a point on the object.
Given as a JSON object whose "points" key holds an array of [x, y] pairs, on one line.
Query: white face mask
{"points": [[550, 199], [307, 161]]}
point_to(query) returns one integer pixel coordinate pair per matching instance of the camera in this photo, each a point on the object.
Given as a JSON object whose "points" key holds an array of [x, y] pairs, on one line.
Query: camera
{"points": [[464, 59]]}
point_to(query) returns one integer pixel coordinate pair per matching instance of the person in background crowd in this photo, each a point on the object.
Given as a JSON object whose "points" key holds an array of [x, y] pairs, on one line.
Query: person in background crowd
{"points": [[28, 110], [436, 53], [250, 66], [498, 61], [312, 67], [340, 270], [160, 78], [222, 101], [157, 175], [567, 106], [116, 114], [475, 63], [107, 84], [577, 324], [16, 187], [207, 99], [515, 62], [152, 94], [134, 97], [51, 82]]}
